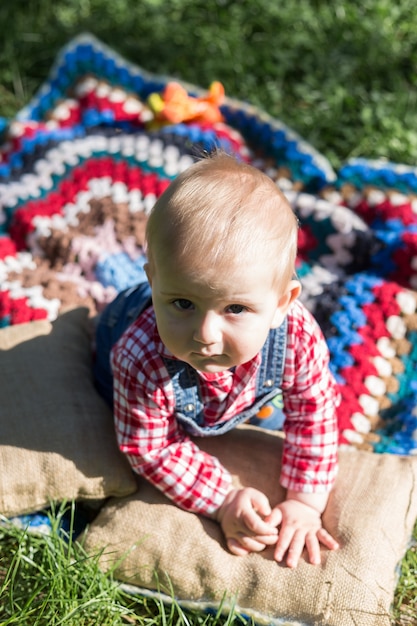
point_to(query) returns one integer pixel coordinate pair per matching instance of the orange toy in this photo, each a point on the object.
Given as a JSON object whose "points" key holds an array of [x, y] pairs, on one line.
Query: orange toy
{"points": [[175, 105]]}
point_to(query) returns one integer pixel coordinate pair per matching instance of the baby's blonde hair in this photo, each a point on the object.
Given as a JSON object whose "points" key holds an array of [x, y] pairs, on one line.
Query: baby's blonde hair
{"points": [[217, 209]]}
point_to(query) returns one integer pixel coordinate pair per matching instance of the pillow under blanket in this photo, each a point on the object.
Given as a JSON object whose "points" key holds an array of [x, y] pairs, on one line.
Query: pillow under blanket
{"points": [[57, 438]]}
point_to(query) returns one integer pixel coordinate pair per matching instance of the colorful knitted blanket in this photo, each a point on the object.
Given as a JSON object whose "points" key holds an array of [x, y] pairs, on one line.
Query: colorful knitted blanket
{"points": [[82, 165]]}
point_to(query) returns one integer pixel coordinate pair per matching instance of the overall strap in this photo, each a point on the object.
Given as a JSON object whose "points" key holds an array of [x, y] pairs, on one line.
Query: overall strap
{"points": [[186, 389], [271, 369]]}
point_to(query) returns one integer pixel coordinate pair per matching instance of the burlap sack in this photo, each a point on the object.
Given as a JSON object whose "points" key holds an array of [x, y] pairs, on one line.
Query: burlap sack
{"points": [[371, 512], [57, 438]]}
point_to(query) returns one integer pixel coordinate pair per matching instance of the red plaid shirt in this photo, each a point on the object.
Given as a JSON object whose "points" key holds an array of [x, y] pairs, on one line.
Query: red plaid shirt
{"points": [[159, 449]]}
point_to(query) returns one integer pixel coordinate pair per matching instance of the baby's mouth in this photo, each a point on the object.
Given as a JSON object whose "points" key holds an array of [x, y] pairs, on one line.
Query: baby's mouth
{"points": [[207, 355]]}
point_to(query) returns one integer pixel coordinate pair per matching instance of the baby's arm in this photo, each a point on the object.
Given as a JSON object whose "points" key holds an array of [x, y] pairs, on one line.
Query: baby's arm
{"points": [[157, 448], [242, 519], [309, 464], [299, 518]]}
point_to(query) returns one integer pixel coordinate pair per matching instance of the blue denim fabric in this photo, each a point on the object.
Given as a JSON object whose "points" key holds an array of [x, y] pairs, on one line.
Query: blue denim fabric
{"points": [[127, 306], [112, 323]]}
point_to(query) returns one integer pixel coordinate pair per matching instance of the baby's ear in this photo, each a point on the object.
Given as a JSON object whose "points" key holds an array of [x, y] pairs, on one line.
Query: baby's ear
{"points": [[290, 294]]}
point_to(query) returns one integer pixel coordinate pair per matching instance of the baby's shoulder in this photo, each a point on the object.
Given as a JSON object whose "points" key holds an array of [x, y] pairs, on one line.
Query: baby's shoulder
{"points": [[138, 340], [301, 322]]}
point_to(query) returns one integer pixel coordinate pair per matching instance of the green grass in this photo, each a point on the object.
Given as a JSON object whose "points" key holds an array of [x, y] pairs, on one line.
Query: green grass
{"points": [[343, 73], [405, 601], [49, 580]]}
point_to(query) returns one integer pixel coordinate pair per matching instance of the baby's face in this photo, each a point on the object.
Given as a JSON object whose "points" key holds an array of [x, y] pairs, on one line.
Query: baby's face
{"points": [[215, 325]]}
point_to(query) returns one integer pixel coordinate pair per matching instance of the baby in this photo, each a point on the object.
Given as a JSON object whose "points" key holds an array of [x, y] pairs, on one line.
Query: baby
{"points": [[217, 333]]}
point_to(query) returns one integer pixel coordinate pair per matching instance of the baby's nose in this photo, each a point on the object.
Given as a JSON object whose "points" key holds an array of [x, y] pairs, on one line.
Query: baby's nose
{"points": [[208, 330]]}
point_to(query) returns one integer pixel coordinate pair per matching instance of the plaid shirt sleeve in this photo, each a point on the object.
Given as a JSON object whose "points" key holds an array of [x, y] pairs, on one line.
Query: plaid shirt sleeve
{"points": [[310, 401], [147, 431]]}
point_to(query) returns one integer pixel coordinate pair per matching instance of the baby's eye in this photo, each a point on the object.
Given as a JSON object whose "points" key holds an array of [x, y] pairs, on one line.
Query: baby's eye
{"points": [[236, 309], [183, 305]]}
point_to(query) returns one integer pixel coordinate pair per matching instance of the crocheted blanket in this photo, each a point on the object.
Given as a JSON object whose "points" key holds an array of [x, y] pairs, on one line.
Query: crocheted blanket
{"points": [[82, 165]]}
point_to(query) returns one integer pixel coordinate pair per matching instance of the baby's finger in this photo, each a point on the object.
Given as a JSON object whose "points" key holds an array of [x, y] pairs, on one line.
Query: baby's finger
{"points": [[295, 549], [256, 525], [285, 538], [327, 540], [236, 548], [259, 502], [275, 518], [267, 540], [244, 545], [313, 548]]}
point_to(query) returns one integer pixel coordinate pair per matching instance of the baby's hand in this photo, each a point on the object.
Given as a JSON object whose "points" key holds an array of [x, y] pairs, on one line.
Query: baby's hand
{"points": [[241, 517], [300, 525]]}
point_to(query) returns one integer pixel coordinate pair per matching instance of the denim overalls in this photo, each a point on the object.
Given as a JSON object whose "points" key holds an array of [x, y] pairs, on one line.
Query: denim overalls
{"points": [[267, 408]]}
